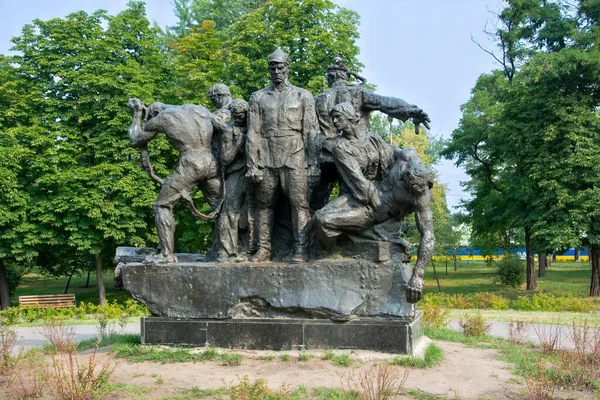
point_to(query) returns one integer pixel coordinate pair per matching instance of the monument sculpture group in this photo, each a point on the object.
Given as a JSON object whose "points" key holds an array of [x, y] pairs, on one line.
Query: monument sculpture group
{"points": [[288, 266]]}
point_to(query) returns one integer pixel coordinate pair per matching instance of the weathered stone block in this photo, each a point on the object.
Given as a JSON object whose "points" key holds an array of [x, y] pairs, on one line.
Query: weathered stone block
{"points": [[339, 290]]}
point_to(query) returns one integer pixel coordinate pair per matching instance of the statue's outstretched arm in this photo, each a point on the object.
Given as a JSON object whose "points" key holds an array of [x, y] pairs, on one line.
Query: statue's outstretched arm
{"points": [[395, 107]]}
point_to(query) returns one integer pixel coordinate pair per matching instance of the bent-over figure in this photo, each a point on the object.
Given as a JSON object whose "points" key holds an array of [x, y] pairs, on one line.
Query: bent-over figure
{"points": [[383, 183], [189, 129]]}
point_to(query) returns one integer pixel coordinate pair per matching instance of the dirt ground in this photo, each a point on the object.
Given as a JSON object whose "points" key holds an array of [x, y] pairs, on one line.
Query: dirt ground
{"points": [[465, 373]]}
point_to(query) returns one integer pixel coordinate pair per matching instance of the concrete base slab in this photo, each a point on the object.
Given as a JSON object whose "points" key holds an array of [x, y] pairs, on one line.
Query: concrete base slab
{"points": [[391, 336]]}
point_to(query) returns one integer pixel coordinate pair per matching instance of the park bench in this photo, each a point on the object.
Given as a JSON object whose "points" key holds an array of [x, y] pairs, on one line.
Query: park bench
{"points": [[48, 300]]}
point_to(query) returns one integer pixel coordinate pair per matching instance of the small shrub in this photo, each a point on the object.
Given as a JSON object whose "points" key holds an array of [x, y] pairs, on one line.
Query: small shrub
{"points": [[460, 302], [510, 272], [517, 332], [231, 359], [376, 383], [8, 339], [539, 384], [65, 375], [342, 360], [546, 302], [474, 325], [25, 379], [210, 353], [304, 356], [10, 316], [285, 357], [328, 355], [434, 316], [549, 337], [257, 389], [490, 301]]}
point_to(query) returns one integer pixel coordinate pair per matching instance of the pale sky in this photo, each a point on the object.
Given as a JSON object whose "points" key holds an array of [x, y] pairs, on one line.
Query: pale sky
{"points": [[418, 50]]}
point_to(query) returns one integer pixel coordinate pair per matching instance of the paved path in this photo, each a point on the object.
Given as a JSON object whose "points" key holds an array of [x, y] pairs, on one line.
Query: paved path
{"points": [[533, 332], [28, 337]]}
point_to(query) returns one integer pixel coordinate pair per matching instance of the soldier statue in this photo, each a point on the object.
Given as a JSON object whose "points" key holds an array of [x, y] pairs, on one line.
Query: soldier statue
{"points": [[281, 154]]}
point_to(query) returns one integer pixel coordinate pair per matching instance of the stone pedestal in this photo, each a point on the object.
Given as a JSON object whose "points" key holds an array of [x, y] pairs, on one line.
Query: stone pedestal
{"points": [[390, 336], [341, 303]]}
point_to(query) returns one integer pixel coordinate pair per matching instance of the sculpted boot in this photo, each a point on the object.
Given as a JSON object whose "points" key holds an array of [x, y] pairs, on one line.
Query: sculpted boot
{"points": [[262, 255], [299, 256]]}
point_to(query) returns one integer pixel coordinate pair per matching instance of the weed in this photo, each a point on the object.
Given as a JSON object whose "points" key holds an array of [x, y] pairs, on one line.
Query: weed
{"points": [[257, 389], [231, 359], [378, 382], [304, 356], [474, 325], [539, 385], [158, 379], [8, 339], [328, 355], [432, 357], [285, 357], [549, 337], [25, 379], [66, 376], [341, 360], [269, 357], [210, 353], [517, 333]]}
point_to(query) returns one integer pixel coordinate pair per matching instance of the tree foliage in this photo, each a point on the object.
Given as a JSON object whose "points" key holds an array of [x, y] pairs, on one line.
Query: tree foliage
{"points": [[528, 136]]}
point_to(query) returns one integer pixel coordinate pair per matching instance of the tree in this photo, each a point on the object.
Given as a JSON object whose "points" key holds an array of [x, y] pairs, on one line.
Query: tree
{"points": [[194, 13], [17, 148], [89, 194], [536, 143]]}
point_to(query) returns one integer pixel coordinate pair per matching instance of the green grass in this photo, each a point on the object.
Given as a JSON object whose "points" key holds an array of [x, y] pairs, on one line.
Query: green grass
{"points": [[450, 335], [432, 357], [126, 347], [562, 279], [140, 392], [534, 317], [127, 339], [300, 393], [36, 284]]}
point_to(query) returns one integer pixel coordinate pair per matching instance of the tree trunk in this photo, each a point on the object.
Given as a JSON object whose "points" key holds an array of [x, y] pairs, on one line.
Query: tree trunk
{"points": [[577, 255], [4, 291], [531, 282], [99, 280], [87, 283], [69, 281], [595, 285], [542, 267]]}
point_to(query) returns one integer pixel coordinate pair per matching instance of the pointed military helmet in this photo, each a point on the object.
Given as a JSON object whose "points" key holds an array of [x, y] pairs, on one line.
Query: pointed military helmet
{"points": [[278, 56]]}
